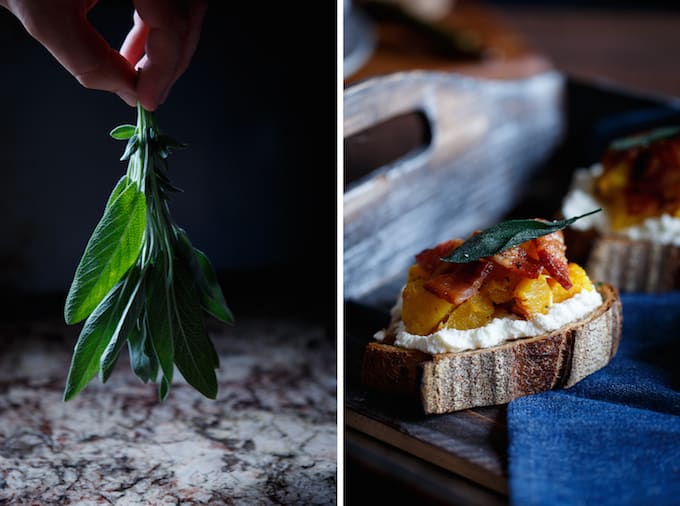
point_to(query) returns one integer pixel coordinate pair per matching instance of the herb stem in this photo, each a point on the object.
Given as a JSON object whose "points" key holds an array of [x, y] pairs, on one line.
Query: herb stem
{"points": [[140, 280]]}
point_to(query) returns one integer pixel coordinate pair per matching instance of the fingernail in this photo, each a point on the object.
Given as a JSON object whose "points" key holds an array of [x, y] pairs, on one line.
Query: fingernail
{"points": [[128, 98]]}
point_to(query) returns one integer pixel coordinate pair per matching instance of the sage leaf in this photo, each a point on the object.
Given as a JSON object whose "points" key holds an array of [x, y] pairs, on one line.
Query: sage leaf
{"points": [[195, 355], [113, 248], [120, 187], [163, 388], [140, 361], [127, 322], [212, 298], [210, 292], [150, 355], [506, 235], [130, 148], [123, 132], [161, 315], [168, 142], [644, 139], [93, 339]]}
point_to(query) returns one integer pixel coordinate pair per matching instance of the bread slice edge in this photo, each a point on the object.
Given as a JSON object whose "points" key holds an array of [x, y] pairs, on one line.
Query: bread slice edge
{"points": [[634, 265], [449, 382]]}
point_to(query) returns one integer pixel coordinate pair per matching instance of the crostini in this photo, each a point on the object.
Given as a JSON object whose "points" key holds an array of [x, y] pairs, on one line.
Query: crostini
{"points": [[634, 243], [486, 328]]}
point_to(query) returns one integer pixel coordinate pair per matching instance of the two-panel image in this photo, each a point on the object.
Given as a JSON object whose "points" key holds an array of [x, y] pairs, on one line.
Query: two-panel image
{"points": [[395, 251]]}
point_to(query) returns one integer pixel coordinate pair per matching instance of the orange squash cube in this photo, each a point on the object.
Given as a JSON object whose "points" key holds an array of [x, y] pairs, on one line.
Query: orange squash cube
{"points": [[416, 272], [421, 310], [475, 312], [579, 280], [499, 286], [532, 297]]}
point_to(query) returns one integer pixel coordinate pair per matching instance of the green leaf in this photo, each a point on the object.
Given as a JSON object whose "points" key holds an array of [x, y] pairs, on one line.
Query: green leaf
{"points": [[120, 187], [94, 337], [113, 248], [123, 132], [137, 283], [165, 141], [140, 362], [506, 235], [128, 321], [195, 354], [644, 139], [150, 354], [163, 388], [130, 147], [160, 307], [212, 298], [210, 292]]}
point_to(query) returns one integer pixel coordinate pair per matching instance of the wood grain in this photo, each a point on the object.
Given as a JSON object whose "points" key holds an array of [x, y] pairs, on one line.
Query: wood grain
{"points": [[403, 479], [471, 443], [449, 382], [458, 444]]}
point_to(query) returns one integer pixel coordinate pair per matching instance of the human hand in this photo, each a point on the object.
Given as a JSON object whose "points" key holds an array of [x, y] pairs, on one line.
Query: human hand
{"points": [[160, 44]]}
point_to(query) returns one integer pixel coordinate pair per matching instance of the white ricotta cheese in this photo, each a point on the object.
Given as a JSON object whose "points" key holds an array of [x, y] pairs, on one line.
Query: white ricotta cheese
{"points": [[497, 330]]}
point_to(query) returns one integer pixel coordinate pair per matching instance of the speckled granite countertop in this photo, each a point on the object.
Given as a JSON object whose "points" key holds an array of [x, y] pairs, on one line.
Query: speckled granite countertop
{"points": [[269, 438]]}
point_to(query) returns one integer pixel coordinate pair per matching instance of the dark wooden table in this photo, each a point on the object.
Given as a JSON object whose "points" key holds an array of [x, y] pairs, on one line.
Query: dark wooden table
{"points": [[629, 43]]}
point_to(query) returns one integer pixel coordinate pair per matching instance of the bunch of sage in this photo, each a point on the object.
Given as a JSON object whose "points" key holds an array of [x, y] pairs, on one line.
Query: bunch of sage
{"points": [[140, 281]]}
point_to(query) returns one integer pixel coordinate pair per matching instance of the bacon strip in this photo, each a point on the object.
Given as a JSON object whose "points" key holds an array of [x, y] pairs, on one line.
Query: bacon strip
{"points": [[519, 261], [456, 283], [551, 250], [461, 283], [429, 259]]}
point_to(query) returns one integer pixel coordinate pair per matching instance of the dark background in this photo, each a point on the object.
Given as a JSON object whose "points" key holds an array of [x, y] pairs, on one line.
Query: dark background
{"points": [[257, 108]]}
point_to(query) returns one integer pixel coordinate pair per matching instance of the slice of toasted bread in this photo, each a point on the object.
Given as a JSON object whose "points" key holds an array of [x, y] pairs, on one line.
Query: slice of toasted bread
{"points": [[634, 266], [449, 382]]}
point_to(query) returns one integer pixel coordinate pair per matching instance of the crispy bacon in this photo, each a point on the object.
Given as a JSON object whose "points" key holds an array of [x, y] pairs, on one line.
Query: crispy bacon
{"points": [[652, 176], [429, 259], [461, 283], [456, 283], [551, 251], [519, 261]]}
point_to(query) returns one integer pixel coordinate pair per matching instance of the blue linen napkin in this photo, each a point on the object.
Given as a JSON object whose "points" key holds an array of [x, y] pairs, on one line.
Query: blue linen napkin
{"points": [[614, 437]]}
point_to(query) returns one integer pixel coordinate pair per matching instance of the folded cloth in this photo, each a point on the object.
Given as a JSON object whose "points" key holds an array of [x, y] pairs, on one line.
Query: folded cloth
{"points": [[613, 438]]}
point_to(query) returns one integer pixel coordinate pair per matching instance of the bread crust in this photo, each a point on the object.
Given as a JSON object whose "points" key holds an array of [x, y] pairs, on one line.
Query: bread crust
{"points": [[449, 382], [634, 266]]}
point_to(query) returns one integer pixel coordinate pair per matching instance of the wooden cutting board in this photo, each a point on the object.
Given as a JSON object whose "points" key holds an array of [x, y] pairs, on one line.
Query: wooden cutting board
{"points": [[470, 443]]}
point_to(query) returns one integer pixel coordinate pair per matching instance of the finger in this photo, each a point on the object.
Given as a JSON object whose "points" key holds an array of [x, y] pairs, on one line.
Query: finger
{"points": [[164, 44], [196, 15], [168, 28], [133, 45], [81, 50]]}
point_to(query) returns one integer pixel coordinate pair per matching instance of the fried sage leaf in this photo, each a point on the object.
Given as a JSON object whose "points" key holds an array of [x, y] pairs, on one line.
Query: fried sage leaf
{"points": [[505, 235], [645, 138]]}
